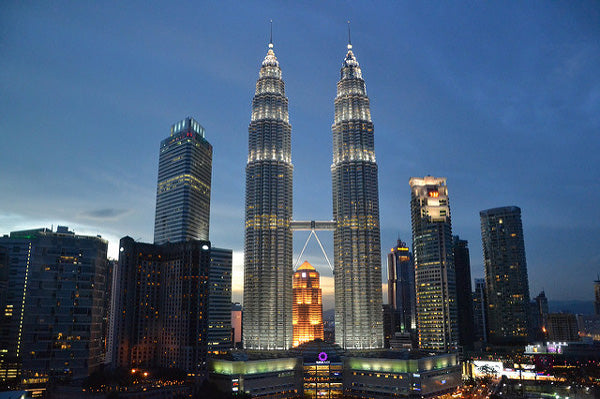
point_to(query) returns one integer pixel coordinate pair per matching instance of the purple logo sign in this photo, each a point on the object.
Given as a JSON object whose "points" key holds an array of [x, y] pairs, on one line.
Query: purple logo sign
{"points": [[322, 356]]}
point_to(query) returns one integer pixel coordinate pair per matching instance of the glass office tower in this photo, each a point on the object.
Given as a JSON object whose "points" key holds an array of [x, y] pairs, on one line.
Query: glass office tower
{"points": [[435, 281], [480, 310], [268, 265], [184, 179], [464, 295], [356, 237], [53, 306], [219, 300], [505, 275], [401, 288]]}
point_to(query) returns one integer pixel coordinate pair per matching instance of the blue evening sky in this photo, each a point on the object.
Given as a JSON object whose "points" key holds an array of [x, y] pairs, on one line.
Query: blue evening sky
{"points": [[502, 98]]}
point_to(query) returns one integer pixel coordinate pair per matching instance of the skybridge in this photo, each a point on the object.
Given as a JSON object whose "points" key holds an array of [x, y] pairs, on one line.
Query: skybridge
{"points": [[313, 226]]}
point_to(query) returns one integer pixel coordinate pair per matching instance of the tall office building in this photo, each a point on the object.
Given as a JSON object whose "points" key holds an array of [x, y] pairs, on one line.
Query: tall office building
{"points": [[107, 306], [53, 306], [9, 365], [162, 305], [480, 310], [184, 179], [597, 296], [401, 289], [219, 301], [236, 324], [307, 313], [268, 265], [538, 317], [505, 275], [435, 281], [356, 237], [464, 295]]}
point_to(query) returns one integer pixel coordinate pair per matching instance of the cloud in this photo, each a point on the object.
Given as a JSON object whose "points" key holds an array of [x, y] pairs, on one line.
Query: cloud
{"points": [[105, 213]]}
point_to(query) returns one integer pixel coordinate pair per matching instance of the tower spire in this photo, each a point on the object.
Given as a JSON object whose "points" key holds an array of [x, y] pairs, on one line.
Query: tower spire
{"points": [[349, 39], [271, 37]]}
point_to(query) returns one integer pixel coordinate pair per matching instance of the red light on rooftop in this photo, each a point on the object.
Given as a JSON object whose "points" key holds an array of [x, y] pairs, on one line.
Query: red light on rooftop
{"points": [[434, 194]]}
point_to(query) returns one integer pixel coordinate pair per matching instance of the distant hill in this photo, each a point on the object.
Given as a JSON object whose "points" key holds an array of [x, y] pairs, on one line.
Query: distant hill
{"points": [[577, 307], [329, 314]]}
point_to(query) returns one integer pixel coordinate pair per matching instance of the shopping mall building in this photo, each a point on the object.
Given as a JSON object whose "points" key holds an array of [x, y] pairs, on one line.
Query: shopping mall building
{"points": [[321, 370]]}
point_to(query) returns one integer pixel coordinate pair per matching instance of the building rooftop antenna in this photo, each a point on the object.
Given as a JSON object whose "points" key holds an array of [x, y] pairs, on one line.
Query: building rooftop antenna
{"points": [[271, 37], [349, 39]]}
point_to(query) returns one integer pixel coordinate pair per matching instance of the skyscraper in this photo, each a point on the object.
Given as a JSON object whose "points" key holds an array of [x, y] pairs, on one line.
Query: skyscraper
{"points": [[480, 310], [434, 264], [161, 305], [464, 296], [505, 275], [268, 266], [538, 315], [401, 288], [236, 324], [184, 179], [356, 237], [308, 306], [54, 305], [219, 300], [597, 296]]}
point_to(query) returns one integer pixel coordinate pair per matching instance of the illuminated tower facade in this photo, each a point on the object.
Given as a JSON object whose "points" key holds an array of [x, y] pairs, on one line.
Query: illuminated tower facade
{"points": [[505, 275], [357, 245], [268, 266], [184, 179], [307, 313], [435, 279]]}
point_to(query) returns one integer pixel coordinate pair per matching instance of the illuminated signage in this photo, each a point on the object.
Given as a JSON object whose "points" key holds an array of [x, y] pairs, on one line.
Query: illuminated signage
{"points": [[433, 193], [322, 358], [482, 368]]}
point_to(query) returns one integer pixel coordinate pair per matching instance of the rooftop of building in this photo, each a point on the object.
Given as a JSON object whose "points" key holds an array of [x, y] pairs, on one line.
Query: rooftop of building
{"points": [[310, 351], [244, 355], [395, 354], [501, 210], [306, 266], [61, 231], [427, 181], [313, 351]]}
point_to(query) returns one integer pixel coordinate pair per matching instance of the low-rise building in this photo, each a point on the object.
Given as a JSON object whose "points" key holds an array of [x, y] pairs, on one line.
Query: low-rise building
{"points": [[400, 374], [259, 374], [321, 370]]}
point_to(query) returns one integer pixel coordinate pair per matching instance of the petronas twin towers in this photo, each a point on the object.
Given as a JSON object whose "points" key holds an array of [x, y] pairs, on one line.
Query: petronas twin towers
{"points": [[268, 246]]}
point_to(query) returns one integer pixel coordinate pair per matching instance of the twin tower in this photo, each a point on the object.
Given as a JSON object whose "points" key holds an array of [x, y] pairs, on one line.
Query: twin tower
{"points": [[268, 265]]}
